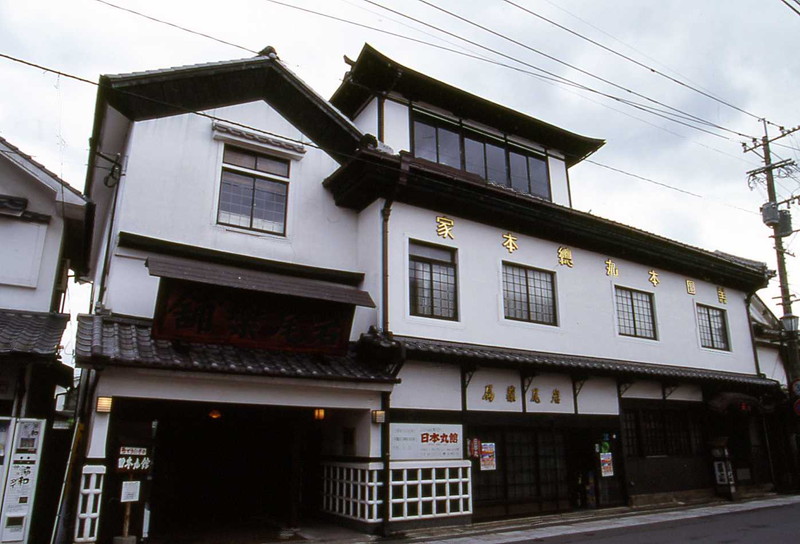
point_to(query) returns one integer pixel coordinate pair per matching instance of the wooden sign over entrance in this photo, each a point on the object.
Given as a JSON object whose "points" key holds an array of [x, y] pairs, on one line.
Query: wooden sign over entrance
{"points": [[212, 314]]}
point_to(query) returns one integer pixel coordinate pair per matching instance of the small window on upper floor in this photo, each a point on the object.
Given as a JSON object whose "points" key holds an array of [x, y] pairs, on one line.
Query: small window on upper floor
{"points": [[713, 327], [635, 315], [253, 191], [432, 281], [494, 159]]}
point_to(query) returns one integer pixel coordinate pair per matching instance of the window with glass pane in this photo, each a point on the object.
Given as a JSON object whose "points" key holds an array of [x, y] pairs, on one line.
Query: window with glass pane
{"points": [[432, 281], [635, 315], [474, 158], [539, 177], [528, 294], [713, 327], [247, 198]]}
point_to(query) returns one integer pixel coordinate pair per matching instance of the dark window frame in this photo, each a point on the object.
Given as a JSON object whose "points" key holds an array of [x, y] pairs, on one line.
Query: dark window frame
{"points": [[708, 332], [415, 295], [256, 176], [635, 327], [530, 304], [508, 147], [661, 429]]}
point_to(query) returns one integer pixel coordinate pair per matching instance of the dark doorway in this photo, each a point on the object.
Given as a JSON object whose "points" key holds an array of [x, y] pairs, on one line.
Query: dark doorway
{"points": [[224, 465]]}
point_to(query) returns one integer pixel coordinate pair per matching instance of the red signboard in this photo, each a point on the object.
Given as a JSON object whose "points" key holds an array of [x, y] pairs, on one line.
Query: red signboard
{"points": [[212, 314]]}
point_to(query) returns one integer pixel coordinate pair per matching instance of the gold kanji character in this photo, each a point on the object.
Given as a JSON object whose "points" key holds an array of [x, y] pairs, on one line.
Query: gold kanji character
{"points": [[510, 242], [511, 394], [691, 288], [653, 278], [721, 296], [565, 256], [535, 395], [611, 268], [556, 397], [444, 227], [488, 393]]}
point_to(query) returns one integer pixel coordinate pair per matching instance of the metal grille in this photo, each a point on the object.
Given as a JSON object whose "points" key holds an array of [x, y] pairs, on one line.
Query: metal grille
{"points": [[713, 327], [432, 286], [635, 313], [86, 525], [528, 294]]}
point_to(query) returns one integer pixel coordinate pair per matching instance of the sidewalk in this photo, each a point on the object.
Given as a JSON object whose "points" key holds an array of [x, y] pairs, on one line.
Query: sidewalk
{"points": [[546, 526]]}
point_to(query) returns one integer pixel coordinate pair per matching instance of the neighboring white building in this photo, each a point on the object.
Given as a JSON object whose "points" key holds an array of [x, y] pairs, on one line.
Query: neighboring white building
{"points": [[42, 232], [306, 306]]}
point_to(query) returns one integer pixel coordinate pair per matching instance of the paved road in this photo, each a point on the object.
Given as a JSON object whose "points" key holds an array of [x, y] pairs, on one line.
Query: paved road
{"points": [[773, 525], [768, 521]]}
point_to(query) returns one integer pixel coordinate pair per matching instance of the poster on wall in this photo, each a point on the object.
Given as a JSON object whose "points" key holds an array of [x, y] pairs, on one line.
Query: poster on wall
{"points": [[488, 458], [606, 465], [425, 441]]}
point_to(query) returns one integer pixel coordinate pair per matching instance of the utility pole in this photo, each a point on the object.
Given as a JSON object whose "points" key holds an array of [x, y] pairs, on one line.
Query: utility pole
{"points": [[780, 222]]}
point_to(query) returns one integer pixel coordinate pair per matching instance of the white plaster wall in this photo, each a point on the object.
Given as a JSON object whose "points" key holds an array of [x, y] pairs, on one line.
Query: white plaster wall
{"points": [[171, 189], [500, 380], [546, 386], [644, 390], [370, 232], [771, 364], [131, 289], [238, 389], [396, 126], [559, 183], [428, 386], [367, 118], [587, 324], [687, 392], [599, 396], [29, 252]]}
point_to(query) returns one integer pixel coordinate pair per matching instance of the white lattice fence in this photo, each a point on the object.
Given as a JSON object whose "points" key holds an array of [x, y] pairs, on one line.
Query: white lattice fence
{"points": [[419, 490], [89, 503]]}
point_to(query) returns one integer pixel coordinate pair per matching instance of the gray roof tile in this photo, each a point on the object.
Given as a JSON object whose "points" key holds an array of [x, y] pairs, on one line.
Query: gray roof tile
{"points": [[33, 333], [556, 362], [122, 341]]}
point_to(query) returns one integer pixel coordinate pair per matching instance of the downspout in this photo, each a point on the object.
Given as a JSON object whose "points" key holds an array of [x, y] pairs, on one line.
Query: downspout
{"points": [[747, 300], [111, 181], [386, 397]]}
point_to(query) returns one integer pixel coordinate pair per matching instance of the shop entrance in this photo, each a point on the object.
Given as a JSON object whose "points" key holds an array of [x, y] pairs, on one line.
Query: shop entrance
{"points": [[218, 467]]}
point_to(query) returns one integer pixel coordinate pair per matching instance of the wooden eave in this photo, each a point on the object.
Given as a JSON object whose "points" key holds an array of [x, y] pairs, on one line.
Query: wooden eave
{"points": [[374, 74], [372, 175]]}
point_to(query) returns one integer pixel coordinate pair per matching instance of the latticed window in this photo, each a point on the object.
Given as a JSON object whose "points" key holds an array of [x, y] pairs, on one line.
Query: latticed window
{"points": [[659, 432], [432, 281], [713, 327], [635, 315], [529, 295], [253, 191]]}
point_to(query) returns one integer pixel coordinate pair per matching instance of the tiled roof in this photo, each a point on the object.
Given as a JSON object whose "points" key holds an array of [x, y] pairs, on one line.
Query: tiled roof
{"points": [[259, 138], [556, 362], [17, 155], [33, 333], [122, 341]]}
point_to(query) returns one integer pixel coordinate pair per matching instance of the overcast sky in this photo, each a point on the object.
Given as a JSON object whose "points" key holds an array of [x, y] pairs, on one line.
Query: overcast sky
{"points": [[741, 51]]}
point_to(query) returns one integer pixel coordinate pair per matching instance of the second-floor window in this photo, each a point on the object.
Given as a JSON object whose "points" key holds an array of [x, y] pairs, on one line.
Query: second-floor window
{"points": [[713, 327], [253, 191], [492, 158], [529, 294], [432, 281], [635, 315]]}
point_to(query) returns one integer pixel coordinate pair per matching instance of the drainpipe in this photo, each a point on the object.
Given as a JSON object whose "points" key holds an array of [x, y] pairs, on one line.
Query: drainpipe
{"points": [[747, 300], [386, 396], [112, 182]]}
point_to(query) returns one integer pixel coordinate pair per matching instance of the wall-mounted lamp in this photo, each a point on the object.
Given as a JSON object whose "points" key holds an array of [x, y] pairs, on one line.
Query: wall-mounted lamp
{"points": [[379, 416], [104, 404], [215, 414], [319, 414]]}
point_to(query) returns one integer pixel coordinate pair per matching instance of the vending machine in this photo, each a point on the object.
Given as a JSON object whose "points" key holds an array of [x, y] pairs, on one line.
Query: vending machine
{"points": [[21, 443]]}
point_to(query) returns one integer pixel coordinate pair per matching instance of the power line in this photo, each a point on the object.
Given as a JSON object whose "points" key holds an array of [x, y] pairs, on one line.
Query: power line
{"points": [[313, 144], [791, 7], [154, 19], [679, 113], [630, 59]]}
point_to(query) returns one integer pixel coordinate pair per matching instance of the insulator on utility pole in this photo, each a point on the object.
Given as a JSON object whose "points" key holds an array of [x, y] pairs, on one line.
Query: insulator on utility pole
{"points": [[785, 223], [769, 214]]}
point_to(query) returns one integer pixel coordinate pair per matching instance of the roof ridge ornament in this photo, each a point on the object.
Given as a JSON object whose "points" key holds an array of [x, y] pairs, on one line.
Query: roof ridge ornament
{"points": [[270, 52]]}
